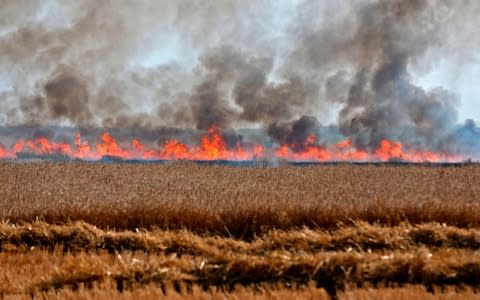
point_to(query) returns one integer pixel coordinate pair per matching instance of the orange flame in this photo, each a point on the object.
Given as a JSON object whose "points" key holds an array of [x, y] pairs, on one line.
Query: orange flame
{"points": [[3, 151], [173, 149], [214, 147]]}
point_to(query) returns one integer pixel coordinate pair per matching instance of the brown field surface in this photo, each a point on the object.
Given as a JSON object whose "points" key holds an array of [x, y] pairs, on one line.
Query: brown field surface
{"points": [[185, 231], [237, 201]]}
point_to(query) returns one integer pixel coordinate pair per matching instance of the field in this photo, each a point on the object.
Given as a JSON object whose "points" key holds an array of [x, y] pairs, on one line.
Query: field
{"points": [[136, 231]]}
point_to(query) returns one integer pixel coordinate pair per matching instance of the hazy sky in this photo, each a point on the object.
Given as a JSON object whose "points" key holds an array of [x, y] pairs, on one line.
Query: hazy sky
{"points": [[462, 77], [152, 34]]}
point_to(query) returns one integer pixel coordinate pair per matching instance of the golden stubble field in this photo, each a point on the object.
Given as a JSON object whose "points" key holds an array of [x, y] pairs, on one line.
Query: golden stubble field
{"points": [[131, 231]]}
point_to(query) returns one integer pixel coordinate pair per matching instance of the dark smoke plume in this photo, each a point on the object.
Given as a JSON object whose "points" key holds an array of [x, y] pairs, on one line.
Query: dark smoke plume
{"points": [[93, 64], [296, 133], [382, 98], [66, 96]]}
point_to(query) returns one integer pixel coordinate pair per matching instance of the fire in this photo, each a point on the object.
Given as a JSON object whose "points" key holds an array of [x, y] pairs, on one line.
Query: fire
{"points": [[212, 146], [82, 148], [309, 151], [173, 149], [390, 150], [3, 151], [143, 151], [109, 146]]}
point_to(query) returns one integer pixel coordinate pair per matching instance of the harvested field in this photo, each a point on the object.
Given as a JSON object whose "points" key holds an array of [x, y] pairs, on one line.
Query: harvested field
{"points": [[239, 202], [93, 231], [39, 258]]}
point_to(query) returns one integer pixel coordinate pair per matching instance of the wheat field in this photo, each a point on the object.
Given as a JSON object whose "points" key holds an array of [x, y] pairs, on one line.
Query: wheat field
{"points": [[187, 231]]}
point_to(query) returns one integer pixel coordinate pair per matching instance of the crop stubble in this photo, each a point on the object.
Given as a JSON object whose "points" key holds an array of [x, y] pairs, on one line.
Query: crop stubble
{"points": [[106, 228], [237, 201]]}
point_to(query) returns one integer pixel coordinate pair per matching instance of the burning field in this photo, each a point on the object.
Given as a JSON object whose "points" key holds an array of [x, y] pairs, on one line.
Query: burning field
{"points": [[239, 149], [213, 146], [288, 90]]}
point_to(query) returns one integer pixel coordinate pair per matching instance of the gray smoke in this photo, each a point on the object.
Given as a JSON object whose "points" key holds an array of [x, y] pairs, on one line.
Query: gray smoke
{"points": [[238, 64], [369, 55], [295, 133], [382, 99]]}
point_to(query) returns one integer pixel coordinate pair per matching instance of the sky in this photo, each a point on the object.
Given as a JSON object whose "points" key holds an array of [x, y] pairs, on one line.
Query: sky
{"points": [[464, 81]]}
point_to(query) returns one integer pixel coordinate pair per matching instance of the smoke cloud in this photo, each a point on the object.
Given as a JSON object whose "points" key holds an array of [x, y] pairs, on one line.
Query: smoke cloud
{"points": [[187, 64]]}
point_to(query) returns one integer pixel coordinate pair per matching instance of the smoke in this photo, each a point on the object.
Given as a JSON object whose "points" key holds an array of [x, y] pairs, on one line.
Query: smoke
{"points": [[66, 96], [380, 43], [152, 64], [295, 133], [382, 98]]}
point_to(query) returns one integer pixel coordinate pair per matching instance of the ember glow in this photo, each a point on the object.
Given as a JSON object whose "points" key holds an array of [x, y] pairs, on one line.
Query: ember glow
{"points": [[212, 146]]}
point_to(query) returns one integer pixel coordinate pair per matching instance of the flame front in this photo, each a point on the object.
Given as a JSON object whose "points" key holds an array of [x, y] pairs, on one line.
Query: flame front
{"points": [[213, 146]]}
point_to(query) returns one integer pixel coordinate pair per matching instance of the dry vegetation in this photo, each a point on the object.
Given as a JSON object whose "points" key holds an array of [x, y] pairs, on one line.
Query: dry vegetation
{"points": [[95, 231], [239, 202]]}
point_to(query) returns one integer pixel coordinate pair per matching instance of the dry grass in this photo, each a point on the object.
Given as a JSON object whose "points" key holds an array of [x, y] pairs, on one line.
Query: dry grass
{"points": [[108, 291], [40, 271], [150, 292], [413, 292], [37, 258], [95, 231], [240, 202], [362, 237]]}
